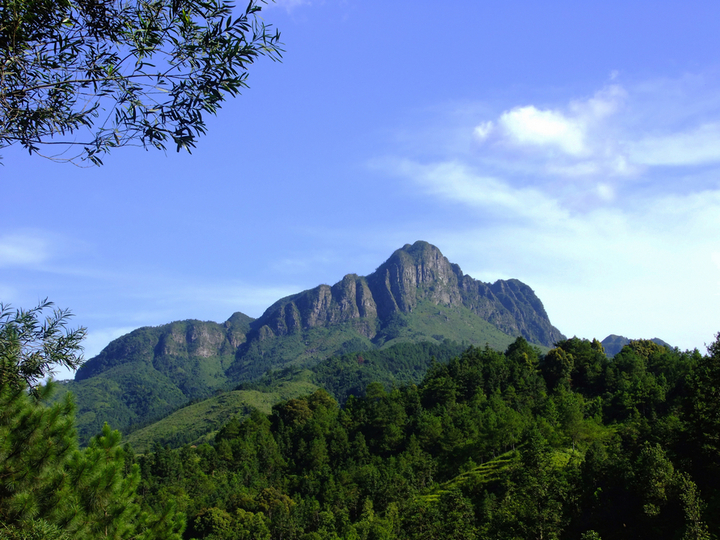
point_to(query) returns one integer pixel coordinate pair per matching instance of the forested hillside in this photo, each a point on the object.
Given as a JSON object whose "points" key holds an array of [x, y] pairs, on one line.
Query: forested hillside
{"points": [[341, 376], [490, 445], [516, 444]]}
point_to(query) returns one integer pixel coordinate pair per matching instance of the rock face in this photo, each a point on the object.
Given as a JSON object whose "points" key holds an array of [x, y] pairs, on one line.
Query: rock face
{"points": [[414, 273], [190, 340]]}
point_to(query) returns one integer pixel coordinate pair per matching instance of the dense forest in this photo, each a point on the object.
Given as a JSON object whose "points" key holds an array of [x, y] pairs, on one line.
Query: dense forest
{"points": [[489, 445], [514, 444]]}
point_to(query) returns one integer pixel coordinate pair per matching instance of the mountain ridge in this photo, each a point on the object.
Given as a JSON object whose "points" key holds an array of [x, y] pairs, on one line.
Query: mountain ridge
{"points": [[412, 273], [415, 295]]}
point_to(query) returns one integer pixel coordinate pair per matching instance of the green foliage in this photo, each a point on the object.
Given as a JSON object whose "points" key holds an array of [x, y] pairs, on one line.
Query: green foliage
{"points": [[128, 395], [454, 323], [199, 422], [35, 444], [196, 423], [50, 489], [704, 400], [30, 349], [305, 349], [478, 449], [402, 363], [119, 73]]}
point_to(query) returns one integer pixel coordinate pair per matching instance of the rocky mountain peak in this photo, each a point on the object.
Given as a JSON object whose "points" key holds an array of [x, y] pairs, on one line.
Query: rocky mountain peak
{"points": [[413, 274]]}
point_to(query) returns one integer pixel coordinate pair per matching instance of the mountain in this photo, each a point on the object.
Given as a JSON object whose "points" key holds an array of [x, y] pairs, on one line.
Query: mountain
{"points": [[412, 275], [613, 344], [416, 295]]}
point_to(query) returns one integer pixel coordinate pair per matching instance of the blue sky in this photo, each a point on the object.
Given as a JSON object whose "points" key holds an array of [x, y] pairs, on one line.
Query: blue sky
{"points": [[572, 145]]}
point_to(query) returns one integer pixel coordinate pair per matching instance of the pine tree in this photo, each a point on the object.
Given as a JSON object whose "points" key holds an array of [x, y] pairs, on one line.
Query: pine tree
{"points": [[35, 443], [49, 488], [31, 348]]}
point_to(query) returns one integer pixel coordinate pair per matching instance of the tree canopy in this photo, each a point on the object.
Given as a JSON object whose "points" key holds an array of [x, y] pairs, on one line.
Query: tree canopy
{"points": [[81, 77], [567, 444]]}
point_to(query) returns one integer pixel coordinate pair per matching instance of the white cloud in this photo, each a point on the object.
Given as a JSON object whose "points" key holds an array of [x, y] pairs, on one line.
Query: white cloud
{"points": [[577, 140], [604, 103], [605, 191], [607, 142], [658, 127], [647, 269], [534, 127], [455, 181], [23, 249], [574, 131]]}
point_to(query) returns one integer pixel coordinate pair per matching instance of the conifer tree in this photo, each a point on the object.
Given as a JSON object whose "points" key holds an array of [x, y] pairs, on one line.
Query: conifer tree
{"points": [[49, 488]]}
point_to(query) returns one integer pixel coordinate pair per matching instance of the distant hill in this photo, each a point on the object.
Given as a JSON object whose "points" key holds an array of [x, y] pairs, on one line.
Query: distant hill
{"points": [[613, 344], [416, 295]]}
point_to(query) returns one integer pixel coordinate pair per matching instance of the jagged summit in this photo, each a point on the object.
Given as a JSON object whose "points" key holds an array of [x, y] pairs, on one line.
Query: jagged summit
{"points": [[413, 274]]}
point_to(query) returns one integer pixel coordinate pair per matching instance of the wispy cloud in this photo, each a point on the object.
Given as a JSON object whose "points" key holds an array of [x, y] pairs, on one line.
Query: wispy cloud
{"points": [[618, 133], [456, 181], [24, 249], [571, 141], [698, 146], [600, 149]]}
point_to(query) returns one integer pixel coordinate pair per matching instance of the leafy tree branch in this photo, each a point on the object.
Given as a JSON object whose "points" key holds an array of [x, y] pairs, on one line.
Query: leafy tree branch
{"points": [[92, 75]]}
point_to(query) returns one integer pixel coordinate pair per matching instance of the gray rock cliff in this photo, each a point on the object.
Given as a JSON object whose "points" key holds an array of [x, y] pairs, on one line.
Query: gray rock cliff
{"points": [[414, 273]]}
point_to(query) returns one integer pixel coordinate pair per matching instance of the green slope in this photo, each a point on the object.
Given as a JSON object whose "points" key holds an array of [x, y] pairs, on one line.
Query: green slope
{"points": [[489, 471], [304, 348], [494, 470], [429, 321], [198, 423], [126, 394]]}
